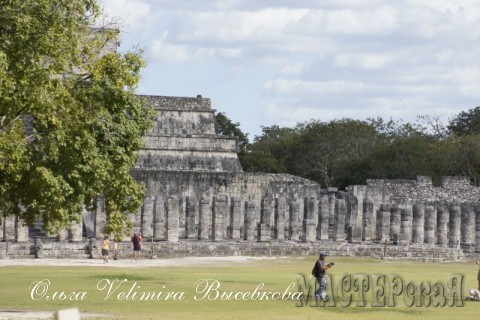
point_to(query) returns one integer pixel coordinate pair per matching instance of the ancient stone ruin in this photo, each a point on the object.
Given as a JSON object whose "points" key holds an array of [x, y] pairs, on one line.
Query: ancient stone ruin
{"points": [[198, 201]]}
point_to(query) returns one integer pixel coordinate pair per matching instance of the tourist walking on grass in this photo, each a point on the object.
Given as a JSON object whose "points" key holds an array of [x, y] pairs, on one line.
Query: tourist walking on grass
{"points": [[105, 249], [320, 271], [137, 245]]}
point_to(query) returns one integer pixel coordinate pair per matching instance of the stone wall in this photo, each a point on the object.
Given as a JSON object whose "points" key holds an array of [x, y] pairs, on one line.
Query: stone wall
{"points": [[188, 248]]}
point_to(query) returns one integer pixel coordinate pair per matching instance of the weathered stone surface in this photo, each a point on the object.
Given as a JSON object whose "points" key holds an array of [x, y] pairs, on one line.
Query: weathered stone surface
{"points": [[418, 229], [236, 215], [467, 240], [147, 217], [405, 226], [204, 219], [309, 230], [250, 220], [341, 212], [295, 220], [219, 214], [454, 225], [331, 211], [159, 219], [192, 213], [323, 224], [430, 223], [368, 226], [280, 217], [477, 226], [264, 232], [172, 219], [383, 223], [442, 224], [395, 222], [21, 231]]}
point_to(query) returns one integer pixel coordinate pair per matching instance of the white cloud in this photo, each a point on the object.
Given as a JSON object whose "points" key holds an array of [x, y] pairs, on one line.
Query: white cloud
{"points": [[291, 60], [132, 14], [362, 60], [299, 87], [292, 69]]}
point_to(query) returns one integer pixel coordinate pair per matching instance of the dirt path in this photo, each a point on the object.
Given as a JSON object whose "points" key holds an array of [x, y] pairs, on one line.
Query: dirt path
{"points": [[126, 263]]}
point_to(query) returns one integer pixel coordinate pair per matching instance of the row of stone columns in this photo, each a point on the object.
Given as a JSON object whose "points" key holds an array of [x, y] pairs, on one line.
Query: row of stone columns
{"points": [[218, 218], [443, 224], [309, 219]]}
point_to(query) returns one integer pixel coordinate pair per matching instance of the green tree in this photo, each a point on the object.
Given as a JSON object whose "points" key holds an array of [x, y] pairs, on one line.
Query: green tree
{"points": [[466, 122], [227, 127], [270, 152], [324, 149], [70, 123]]}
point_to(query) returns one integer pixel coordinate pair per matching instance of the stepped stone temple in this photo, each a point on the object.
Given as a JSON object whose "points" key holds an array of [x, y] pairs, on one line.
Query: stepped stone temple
{"points": [[198, 201]]}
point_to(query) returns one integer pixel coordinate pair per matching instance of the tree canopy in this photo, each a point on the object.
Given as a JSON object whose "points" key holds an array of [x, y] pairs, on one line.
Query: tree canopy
{"points": [[70, 123], [347, 151]]}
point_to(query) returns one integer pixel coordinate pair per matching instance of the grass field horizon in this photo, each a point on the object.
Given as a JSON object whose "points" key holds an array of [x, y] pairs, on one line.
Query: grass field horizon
{"points": [[185, 290]]}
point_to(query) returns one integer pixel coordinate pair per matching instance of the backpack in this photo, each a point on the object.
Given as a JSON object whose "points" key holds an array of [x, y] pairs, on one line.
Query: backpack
{"points": [[135, 240], [315, 270]]}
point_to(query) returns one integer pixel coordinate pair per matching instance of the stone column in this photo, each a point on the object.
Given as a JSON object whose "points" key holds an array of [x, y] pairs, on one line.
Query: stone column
{"points": [[331, 211], [219, 214], [418, 211], [173, 219], [62, 235], [204, 218], [159, 219], [405, 226], [9, 228], [430, 223], [341, 210], [250, 220], [368, 226], [311, 208], [353, 225], [442, 225], [467, 238], [38, 247], [324, 210], [75, 232], [309, 230], [101, 218], [236, 215], [147, 217], [477, 226], [190, 225], [264, 230], [383, 223], [454, 224], [295, 226], [280, 211], [21, 231], [309, 233], [395, 221]]}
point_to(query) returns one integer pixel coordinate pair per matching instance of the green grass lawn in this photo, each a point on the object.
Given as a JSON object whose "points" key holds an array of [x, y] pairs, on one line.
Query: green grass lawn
{"points": [[276, 275]]}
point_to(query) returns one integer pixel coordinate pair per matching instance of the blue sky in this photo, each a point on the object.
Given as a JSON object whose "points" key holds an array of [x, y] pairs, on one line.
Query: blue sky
{"points": [[266, 62]]}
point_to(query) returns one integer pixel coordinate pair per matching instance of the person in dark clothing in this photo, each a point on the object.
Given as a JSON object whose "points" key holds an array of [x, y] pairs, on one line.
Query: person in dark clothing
{"points": [[137, 245], [319, 271]]}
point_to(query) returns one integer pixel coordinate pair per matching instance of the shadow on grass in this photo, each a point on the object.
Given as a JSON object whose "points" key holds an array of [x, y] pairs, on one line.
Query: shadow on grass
{"points": [[357, 310]]}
